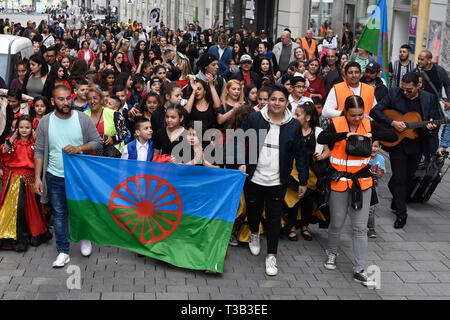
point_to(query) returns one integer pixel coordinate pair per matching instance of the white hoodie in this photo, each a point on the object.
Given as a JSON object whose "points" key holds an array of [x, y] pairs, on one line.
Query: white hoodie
{"points": [[267, 171]]}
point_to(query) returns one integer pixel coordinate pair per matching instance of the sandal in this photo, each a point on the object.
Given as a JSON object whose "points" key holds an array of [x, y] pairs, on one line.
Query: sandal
{"points": [[292, 235], [306, 235]]}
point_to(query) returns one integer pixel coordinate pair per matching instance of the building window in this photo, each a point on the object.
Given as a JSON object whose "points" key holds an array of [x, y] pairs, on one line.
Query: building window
{"points": [[364, 10], [229, 13], [321, 16], [403, 3]]}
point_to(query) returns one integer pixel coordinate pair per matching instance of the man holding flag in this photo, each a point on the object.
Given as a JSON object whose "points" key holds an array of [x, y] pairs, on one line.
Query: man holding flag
{"points": [[62, 131]]}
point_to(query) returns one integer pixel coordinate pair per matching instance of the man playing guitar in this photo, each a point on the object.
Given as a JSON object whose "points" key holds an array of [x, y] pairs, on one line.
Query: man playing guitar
{"points": [[406, 155]]}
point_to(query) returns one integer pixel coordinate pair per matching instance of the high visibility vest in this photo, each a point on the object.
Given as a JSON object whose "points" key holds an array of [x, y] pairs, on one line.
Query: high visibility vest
{"points": [[310, 51], [342, 92], [108, 121], [343, 162]]}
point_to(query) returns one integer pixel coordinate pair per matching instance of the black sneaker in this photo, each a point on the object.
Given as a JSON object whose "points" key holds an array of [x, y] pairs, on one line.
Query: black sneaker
{"points": [[371, 233], [233, 240], [400, 221], [361, 277]]}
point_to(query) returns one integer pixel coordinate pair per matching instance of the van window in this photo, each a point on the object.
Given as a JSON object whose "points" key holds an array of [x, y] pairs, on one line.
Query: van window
{"points": [[11, 66], [3, 71]]}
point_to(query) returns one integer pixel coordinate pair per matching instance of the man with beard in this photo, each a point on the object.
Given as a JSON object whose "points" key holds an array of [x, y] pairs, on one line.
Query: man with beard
{"points": [[400, 67], [406, 155], [371, 78], [435, 78], [72, 132]]}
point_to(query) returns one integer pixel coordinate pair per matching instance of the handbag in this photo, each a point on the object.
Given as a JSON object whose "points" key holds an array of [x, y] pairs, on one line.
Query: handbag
{"points": [[109, 151], [359, 146]]}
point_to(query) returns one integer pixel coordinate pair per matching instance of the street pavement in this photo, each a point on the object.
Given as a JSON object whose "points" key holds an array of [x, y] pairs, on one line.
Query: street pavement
{"points": [[414, 263]]}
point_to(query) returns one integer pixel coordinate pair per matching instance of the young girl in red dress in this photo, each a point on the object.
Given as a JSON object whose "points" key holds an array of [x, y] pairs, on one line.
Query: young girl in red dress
{"points": [[22, 220]]}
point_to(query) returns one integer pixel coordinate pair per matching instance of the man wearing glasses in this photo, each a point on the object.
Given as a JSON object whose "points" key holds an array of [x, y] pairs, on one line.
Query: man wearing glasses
{"points": [[406, 155], [297, 98]]}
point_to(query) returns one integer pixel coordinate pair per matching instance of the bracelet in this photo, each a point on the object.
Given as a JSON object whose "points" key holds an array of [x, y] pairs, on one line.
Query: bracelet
{"points": [[81, 151]]}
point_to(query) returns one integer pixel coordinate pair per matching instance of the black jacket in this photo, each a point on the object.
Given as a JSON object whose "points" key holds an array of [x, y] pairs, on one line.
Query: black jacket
{"points": [[291, 147], [380, 89], [254, 78], [429, 140]]}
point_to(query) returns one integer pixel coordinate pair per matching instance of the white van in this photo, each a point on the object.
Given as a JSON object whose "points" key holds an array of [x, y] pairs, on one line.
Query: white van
{"points": [[12, 50]]}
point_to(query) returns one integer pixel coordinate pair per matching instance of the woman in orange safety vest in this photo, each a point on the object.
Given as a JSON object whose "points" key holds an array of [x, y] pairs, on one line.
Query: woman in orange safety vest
{"points": [[351, 181]]}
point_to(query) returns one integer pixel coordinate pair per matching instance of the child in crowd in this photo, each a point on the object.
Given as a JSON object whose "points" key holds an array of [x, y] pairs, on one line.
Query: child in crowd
{"points": [[251, 95], [307, 115], [113, 103], [145, 108], [92, 78], [39, 107], [21, 213], [140, 148], [318, 103], [171, 94], [155, 84], [107, 82], [80, 102], [167, 138], [377, 167], [137, 92], [263, 98]]}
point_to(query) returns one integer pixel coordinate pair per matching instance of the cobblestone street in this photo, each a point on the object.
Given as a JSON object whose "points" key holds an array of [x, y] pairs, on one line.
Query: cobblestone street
{"points": [[414, 263]]}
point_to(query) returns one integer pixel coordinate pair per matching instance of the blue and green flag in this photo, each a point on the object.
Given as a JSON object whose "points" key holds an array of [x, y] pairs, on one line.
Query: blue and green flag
{"points": [[179, 214], [374, 37]]}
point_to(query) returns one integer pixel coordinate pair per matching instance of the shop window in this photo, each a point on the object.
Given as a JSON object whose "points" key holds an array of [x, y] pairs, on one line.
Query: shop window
{"points": [[321, 16], [364, 10]]}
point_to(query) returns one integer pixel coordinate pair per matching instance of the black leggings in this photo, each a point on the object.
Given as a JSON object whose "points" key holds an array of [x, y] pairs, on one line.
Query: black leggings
{"points": [[257, 198]]}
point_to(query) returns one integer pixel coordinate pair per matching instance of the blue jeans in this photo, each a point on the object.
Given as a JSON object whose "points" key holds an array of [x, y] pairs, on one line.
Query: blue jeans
{"points": [[56, 190]]}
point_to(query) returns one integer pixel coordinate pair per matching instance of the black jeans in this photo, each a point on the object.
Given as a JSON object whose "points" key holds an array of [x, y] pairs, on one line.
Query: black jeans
{"points": [[257, 198], [403, 167]]}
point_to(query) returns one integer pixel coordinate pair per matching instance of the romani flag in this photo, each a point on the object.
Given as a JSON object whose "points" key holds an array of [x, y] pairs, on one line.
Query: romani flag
{"points": [[374, 37], [179, 214]]}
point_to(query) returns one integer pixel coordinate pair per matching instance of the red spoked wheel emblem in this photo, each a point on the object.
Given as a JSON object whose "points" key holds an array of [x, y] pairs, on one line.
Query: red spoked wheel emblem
{"points": [[147, 206]]}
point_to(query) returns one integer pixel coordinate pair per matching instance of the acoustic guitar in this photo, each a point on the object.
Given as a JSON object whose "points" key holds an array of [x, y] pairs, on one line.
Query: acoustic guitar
{"points": [[412, 120]]}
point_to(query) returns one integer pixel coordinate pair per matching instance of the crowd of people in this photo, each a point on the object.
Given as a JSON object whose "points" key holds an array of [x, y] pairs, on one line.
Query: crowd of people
{"points": [[119, 91]]}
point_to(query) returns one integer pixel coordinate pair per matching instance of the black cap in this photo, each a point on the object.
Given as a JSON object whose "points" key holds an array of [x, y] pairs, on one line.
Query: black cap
{"points": [[262, 32], [205, 60], [373, 67]]}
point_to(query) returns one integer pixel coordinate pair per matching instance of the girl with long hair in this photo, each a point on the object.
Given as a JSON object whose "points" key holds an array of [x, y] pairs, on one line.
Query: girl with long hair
{"points": [[34, 81], [57, 76], [21, 213], [232, 98]]}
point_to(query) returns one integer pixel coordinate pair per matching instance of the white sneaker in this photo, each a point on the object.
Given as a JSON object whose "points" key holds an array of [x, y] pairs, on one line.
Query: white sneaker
{"points": [[254, 245], [271, 266], [86, 248], [330, 264], [61, 260]]}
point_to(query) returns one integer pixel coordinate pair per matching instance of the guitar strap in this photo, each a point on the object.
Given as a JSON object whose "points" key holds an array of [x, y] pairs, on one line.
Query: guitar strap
{"points": [[439, 97]]}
